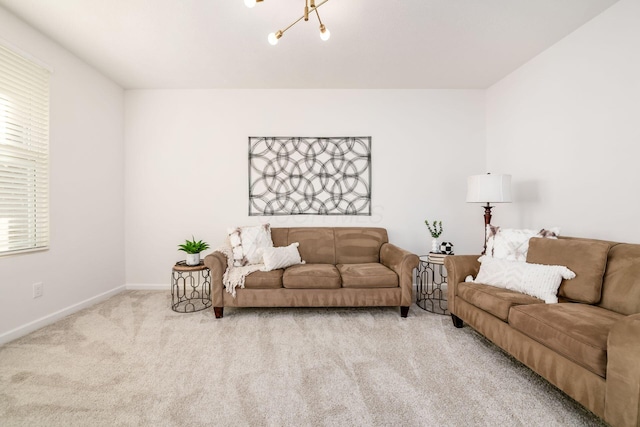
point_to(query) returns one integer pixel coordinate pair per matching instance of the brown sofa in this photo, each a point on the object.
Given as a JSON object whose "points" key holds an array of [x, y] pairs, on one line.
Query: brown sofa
{"points": [[345, 266], [587, 345]]}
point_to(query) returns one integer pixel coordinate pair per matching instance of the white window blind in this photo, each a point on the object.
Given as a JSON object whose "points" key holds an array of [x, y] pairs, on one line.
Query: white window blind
{"points": [[24, 154]]}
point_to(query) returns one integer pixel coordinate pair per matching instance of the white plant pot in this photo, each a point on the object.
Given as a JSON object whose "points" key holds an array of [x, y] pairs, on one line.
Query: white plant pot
{"points": [[434, 246], [193, 259]]}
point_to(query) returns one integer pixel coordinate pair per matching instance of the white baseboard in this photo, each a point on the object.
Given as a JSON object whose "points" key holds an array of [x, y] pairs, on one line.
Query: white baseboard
{"points": [[54, 317], [148, 287]]}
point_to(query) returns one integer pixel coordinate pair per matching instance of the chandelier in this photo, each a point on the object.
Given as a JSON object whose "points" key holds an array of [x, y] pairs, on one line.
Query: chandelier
{"points": [[309, 8]]}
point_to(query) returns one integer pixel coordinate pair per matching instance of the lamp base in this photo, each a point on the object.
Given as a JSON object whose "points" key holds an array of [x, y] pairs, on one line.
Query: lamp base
{"points": [[487, 221]]}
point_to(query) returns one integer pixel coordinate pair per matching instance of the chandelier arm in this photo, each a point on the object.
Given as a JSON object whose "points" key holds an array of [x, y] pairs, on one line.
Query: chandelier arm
{"points": [[311, 9], [294, 23], [318, 15]]}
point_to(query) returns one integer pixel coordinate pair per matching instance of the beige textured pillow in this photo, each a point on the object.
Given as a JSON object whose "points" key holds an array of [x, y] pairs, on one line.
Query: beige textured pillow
{"points": [[540, 281], [281, 257], [246, 243], [588, 258]]}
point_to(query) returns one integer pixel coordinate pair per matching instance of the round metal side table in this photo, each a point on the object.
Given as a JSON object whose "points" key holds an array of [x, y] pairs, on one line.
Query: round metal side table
{"points": [[431, 285], [190, 287]]}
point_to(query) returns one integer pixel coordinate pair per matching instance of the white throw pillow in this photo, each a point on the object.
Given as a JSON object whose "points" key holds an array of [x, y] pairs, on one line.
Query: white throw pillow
{"points": [[281, 257], [513, 244], [537, 280], [246, 243]]}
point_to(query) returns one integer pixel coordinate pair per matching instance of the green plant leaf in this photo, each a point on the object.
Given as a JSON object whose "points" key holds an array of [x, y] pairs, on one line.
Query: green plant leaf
{"points": [[193, 246]]}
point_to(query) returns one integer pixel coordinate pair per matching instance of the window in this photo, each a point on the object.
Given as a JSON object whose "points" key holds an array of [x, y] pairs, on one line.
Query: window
{"points": [[24, 154]]}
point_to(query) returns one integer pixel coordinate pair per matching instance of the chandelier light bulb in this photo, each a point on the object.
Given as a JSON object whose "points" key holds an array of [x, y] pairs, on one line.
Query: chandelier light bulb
{"points": [[324, 33], [310, 8]]}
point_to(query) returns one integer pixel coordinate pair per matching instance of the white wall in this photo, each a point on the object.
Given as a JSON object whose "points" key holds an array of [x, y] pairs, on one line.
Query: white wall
{"points": [[186, 163], [86, 258], [567, 126]]}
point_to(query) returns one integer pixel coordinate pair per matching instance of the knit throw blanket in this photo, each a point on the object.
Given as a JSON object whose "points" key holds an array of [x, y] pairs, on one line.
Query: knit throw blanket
{"points": [[234, 276]]}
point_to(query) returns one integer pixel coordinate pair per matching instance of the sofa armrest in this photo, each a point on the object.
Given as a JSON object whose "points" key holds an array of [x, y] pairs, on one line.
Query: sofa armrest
{"points": [[622, 401], [458, 268], [402, 262], [217, 264]]}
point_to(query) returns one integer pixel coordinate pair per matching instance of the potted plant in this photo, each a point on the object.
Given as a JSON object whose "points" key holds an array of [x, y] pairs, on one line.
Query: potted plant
{"points": [[193, 249], [436, 231]]}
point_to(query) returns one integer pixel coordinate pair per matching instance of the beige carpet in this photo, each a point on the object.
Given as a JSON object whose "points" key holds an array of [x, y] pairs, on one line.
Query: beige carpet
{"points": [[132, 361]]}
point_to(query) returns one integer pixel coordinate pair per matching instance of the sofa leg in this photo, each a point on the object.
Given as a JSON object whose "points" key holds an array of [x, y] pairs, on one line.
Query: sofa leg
{"points": [[457, 322], [404, 311], [218, 312]]}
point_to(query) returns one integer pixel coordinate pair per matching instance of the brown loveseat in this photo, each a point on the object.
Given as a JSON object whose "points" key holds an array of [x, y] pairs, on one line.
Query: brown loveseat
{"points": [[588, 345], [345, 266]]}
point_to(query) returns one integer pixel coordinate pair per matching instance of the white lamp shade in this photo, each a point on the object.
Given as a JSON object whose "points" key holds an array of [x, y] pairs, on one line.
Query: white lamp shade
{"points": [[489, 189]]}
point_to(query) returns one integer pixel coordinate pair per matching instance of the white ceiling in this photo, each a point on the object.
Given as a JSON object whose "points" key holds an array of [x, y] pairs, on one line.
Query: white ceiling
{"points": [[374, 43]]}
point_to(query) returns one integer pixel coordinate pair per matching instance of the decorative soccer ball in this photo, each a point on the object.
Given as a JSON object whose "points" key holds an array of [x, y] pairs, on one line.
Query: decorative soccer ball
{"points": [[446, 248]]}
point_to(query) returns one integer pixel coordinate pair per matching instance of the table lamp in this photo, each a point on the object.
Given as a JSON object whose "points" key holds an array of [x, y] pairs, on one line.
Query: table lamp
{"points": [[488, 189]]}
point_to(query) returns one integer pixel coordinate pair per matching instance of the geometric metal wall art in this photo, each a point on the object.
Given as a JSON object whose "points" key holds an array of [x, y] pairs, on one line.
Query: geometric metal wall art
{"points": [[309, 176]]}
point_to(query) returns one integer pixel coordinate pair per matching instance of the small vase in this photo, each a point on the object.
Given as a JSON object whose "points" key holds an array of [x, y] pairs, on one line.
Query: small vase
{"points": [[434, 246], [193, 259]]}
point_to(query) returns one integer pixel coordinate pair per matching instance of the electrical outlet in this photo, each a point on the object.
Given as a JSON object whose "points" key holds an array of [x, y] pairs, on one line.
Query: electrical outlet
{"points": [[38, 289]]}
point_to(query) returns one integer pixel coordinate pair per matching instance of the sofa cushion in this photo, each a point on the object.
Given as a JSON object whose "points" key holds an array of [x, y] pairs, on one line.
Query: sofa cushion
{"points": [[367, 275], [621, 284], [311, 276], [317, 244], [577, 331], [264, 280], [491, 299], [587, 258], [359, 245], [280, 236]]}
